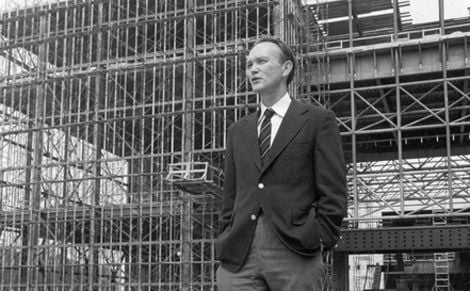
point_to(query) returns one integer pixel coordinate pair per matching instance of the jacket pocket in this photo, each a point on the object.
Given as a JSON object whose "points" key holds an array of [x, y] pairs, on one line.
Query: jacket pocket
{"points": [[300, 217]]}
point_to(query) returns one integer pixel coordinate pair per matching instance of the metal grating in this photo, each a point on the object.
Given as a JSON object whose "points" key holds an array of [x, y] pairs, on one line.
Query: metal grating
{"points": [[405, 239]]}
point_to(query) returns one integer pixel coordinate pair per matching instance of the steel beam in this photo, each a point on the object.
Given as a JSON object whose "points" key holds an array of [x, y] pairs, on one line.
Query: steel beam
{"points": [[405, 239]]}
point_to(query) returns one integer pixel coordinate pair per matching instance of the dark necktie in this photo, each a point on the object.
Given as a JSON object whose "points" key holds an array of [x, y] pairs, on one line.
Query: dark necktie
{"points": [[265, 134]]}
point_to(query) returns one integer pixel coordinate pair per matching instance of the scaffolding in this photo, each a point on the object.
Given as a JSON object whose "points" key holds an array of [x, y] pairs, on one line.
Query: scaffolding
{"points": [[403, 114], [113, 117], [400, 92]]}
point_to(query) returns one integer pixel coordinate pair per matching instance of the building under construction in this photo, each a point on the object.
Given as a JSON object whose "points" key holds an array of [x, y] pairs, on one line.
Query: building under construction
{"points": [[113, 119]]}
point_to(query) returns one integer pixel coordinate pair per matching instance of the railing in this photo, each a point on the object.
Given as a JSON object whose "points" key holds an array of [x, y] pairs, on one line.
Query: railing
{"points": [[338, 44], [195, 177]]}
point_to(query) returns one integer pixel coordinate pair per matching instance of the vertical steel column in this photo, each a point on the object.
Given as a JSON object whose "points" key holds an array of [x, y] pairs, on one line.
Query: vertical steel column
{"points": [[443, 47], [396, 68], [465, 110], [93, 267], [186, 252], [25, 229], [188, 127], [340, 261], [188, 86], [341, 272], [2, 93], [353, 111], [278, 20], [34, 200]]}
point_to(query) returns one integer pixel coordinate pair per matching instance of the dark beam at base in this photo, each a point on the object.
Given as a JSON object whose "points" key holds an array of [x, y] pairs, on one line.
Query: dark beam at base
{"points": [[443, 238]]}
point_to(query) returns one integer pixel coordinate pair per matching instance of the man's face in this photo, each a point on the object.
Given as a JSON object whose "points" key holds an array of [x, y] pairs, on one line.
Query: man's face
{"points": [[265, 69]]}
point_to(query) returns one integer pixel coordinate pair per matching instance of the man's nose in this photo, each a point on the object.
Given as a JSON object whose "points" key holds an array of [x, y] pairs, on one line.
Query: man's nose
{"points": [[253, 69]]}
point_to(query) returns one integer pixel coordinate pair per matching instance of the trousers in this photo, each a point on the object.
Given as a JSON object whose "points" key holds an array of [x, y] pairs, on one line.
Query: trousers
{"points": [[271, 266]]}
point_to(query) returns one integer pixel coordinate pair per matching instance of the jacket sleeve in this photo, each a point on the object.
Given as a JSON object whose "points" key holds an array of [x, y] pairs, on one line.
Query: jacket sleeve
{"points": [[229, 185], [330, 175]]}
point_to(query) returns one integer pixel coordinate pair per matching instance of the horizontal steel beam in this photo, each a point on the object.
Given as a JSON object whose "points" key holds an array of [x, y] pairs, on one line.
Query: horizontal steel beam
{"points": [[437, 38], [405, 239], [18, 217]]}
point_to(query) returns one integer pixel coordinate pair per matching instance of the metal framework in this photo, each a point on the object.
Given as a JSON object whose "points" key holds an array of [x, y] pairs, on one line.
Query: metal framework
{"points": [[113, 117], [402, 98], [401, 95], [107, 109]]}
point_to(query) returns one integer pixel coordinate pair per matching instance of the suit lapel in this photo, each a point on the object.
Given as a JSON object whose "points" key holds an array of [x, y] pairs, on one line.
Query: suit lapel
{"points": [[250, 138], [290, 126]]}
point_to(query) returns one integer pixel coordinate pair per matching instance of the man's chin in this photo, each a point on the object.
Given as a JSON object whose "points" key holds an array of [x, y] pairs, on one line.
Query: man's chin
{"points": [[257, 88]]}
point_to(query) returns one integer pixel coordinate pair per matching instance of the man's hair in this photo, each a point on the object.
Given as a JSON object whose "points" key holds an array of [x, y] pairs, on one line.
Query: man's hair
{"points": [[286, 53]]}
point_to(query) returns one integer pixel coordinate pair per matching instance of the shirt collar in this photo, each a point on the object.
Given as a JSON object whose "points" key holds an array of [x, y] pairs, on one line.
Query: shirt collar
{"points": [[280, 107]]}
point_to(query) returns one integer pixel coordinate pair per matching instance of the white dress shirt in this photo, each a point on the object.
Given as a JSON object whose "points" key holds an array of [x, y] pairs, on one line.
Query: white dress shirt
{"points": [[280, 109]]}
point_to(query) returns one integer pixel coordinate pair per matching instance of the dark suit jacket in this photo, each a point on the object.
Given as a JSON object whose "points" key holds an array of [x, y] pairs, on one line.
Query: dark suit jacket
{"points": [[301, 188]]}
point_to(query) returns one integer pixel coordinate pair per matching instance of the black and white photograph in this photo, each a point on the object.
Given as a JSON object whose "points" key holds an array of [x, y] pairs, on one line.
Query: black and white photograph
{"points": [[235, 145]]}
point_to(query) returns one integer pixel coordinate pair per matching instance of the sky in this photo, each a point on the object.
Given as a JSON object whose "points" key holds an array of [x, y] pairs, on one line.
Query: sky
{"points": [[428, 10]]}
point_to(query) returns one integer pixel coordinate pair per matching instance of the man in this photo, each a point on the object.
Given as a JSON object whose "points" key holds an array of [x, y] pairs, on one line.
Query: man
{"points": [[285, 187]]}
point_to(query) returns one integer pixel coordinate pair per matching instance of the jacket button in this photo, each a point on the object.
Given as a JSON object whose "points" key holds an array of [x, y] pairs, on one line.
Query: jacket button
{"points": [[253, 217], [260, 185]]}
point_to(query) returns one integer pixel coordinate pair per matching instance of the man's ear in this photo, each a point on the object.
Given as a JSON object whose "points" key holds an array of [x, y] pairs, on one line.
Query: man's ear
{"points": [[287, 68]]}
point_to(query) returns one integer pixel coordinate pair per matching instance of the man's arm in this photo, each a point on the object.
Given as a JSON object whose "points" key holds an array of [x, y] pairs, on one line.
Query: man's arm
{"points": [[229, 185], [330, 171]]}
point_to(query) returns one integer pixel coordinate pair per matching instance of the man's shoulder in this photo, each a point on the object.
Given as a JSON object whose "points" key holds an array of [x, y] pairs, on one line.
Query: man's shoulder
{"points": [[314, 109], [242, 121], [247, 117]]}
